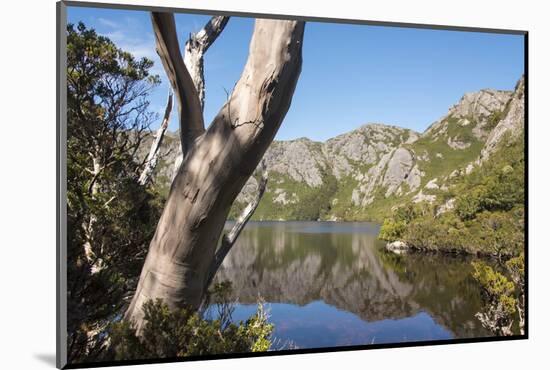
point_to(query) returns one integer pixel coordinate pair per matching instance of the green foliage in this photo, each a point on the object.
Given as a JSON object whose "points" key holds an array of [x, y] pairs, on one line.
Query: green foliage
{"points": [[503, 300], [91, 57], [470, 203], [493, 120], [500, 190], [488, 216], [110, 217], [516, 268], [496, 287], [392, 230], [182, 332]]}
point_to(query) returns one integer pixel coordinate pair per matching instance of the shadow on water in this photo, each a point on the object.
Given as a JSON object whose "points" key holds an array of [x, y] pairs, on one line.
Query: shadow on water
{"points": [[331, 284]]}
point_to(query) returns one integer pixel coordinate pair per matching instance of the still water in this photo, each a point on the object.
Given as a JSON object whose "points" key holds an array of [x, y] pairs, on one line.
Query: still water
{"points": [[332, 284]]}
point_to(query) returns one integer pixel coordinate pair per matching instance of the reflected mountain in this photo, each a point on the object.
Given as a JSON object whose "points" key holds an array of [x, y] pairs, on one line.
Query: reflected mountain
{"points": [[299, 265]]}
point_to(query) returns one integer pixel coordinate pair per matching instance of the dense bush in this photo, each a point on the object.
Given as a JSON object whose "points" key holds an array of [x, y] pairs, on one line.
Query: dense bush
{"points": [[498, 295], [182, 332], [470, 203], [392, 230], [504, 300]]}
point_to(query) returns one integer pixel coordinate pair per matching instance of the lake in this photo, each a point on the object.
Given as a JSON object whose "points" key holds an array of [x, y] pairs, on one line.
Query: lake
{"points": [[332, 284]]}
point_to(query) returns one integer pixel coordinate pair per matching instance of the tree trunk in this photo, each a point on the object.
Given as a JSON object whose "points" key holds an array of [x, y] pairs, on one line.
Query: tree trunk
{"points": [[228, 240], [217, 165]]}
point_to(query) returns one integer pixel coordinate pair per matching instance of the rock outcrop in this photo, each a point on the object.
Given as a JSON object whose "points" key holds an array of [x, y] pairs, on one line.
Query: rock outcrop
{"points": [[300, 159], [474, 111], [512, 123]]}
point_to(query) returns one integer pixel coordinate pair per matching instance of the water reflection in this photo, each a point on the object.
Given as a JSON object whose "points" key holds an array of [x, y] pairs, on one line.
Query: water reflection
{"points": [[332, 284]]}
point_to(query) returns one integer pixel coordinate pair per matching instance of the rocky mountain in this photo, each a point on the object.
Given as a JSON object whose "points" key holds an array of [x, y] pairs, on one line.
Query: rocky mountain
{"points": [[362, 174]]}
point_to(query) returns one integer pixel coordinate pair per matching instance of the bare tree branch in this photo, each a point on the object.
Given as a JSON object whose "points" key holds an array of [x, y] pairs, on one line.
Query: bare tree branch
{"points": [[190, 110], [195, 47], [154, 152]]}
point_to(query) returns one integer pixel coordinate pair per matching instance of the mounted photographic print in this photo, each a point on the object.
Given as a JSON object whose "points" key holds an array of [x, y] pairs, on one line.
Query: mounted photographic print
{"points": [[235, 184]]}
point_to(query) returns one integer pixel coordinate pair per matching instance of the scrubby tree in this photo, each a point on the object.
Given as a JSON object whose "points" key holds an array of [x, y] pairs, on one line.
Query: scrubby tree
{"points": [[110, 217], [504, 300], [516, 269]]}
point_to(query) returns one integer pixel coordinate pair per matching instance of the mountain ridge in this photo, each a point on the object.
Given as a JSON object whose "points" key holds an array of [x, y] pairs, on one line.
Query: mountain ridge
{"points": [[364, 173]]}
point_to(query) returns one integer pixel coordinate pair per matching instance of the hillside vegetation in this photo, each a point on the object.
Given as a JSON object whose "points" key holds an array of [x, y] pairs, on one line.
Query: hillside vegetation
{"points": [[488, 213]]}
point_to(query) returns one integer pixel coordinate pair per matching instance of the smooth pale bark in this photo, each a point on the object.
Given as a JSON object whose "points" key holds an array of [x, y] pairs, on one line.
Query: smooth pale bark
{"points": [[168, 49], [195, 48], [154, 152], [216, 168], [228, 240]]}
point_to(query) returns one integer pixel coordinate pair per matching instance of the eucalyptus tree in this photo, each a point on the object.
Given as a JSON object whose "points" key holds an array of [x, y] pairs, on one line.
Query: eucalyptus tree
{"points": [[217, 161]]}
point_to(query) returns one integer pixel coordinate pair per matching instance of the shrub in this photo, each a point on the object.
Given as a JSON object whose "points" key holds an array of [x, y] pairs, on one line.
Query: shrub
{"points": [[182, 332], [493, 120], [392, 230], [470, 203], [503, 299]]}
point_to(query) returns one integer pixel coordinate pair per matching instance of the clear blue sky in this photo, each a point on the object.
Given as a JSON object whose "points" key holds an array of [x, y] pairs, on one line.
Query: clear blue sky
{"points": [[351, 74]]}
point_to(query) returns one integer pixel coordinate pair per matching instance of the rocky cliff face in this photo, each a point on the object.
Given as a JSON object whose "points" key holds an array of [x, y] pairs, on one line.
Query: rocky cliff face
{"points": [[513, 121], [364, 173], [475, 110]]}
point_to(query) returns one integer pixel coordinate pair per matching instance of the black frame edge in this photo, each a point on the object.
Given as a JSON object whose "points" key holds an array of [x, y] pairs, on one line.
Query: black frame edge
{"points": [[293, 352], [526, 176]]}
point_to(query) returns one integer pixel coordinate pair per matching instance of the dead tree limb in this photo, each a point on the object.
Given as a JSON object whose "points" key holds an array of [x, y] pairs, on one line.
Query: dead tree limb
{"points": [[154, 152], [195, 48]]}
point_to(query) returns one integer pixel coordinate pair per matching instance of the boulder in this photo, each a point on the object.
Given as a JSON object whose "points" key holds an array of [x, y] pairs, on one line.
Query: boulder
{"points": [[397, 247]]}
